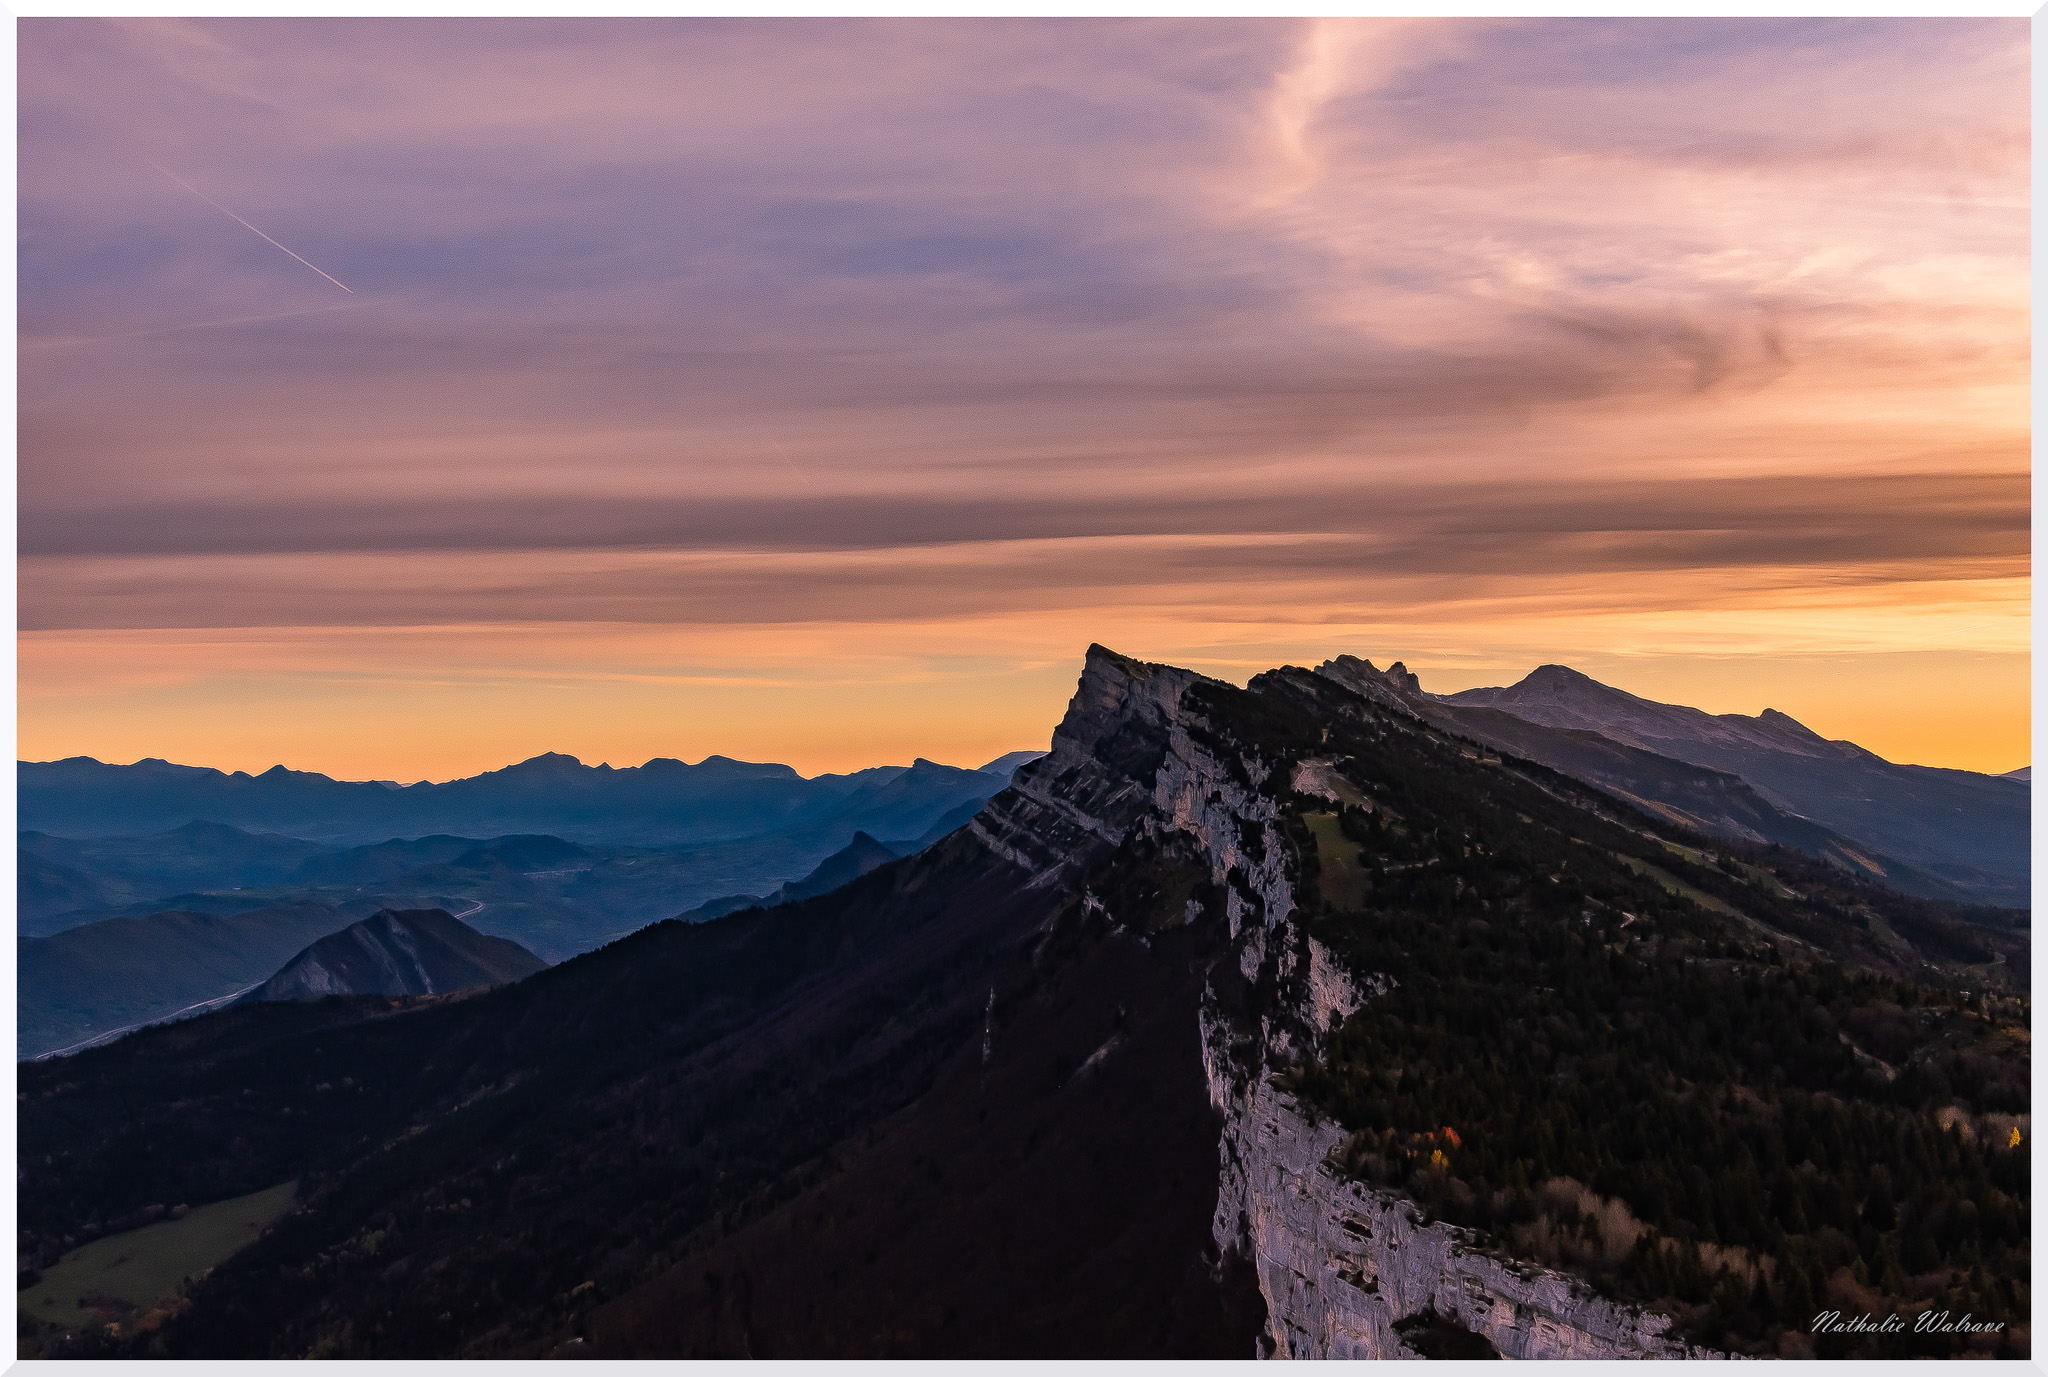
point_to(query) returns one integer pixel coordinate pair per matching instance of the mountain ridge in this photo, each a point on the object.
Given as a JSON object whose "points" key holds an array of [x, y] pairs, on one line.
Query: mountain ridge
{"points": [[1554, 691], [1102, 1072], [662, 802], [1937, 833], [855, 859]]}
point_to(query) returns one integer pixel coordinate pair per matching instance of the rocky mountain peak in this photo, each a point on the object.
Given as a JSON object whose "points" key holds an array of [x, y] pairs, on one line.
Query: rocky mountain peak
{"points": [[1559, 680], [1392, 687], [1779, 721], [1138, 753], [1120, 706], [547, 763]]}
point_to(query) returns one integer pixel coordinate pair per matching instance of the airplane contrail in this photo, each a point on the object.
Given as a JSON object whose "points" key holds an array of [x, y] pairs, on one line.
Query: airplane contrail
{"points": [[790, 464], [32, 343], [247, 226]]}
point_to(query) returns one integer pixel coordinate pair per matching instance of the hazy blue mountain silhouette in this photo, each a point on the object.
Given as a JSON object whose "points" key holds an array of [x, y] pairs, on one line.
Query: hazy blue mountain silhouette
{"points": [[92, 979], [399, 952], [1971, 830], [661, 803]]}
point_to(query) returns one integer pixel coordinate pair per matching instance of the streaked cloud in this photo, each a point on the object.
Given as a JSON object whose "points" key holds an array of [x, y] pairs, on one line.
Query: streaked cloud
{"points": [[1662, 338]]}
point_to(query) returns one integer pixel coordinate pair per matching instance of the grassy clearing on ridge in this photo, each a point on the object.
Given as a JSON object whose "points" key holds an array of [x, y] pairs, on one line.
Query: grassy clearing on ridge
{"points": [[113, 1278], [1343, 879]]}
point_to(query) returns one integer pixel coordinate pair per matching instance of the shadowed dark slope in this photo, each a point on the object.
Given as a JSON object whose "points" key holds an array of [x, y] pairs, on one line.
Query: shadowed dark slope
{"points": [[843, 866], [664, 1081], [1049, 1196]]}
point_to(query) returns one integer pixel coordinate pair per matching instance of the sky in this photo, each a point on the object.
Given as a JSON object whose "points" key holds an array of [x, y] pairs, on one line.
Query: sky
{"points": [[401, 399]]}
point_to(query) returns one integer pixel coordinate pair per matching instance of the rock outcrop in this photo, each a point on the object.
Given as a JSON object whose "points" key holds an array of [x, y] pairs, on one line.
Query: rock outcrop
{"points": [[1128, 755], [1341, 1263], [1338, 1262]]}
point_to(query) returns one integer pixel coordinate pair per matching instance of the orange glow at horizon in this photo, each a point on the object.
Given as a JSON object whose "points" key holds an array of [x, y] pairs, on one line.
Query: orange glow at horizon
{"points": [[816, 392], [374, 702]]}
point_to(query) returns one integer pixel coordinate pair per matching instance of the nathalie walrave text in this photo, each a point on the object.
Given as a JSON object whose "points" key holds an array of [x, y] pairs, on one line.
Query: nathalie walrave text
{"points": [[1926, 1322]]}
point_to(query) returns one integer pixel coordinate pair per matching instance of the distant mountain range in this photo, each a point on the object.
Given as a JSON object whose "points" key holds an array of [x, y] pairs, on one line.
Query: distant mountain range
{"points": [[1947, 834], [82, 975], [239, 834], [61, 875], [247, 870], [661, 803], [117, 931], [1273, 1020]]}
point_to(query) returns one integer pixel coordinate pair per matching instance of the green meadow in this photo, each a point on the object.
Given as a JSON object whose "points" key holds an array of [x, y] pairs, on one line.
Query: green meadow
{"points": [[1677, 886], [1343, 879], [120, 1276]]}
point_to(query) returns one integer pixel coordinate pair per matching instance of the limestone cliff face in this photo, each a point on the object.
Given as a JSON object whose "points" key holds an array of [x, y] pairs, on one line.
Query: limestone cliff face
{"points": [[1124, 757], [1339, 1263]]}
